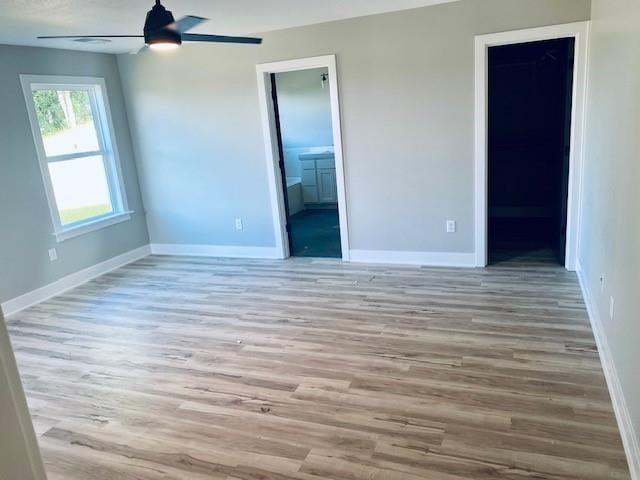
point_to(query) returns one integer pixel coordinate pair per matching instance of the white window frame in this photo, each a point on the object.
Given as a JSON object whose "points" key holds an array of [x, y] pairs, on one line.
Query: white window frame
{"points": [[107, 149]]}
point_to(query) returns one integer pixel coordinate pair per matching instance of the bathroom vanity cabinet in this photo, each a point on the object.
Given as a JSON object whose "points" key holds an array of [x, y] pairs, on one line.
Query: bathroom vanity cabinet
{"points": [[319, 178]]}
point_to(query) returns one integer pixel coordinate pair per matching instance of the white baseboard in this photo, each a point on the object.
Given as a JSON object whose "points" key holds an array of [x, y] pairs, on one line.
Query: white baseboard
{"points": [[71, 281], [214, 251], [623, 417], [432, 259]]}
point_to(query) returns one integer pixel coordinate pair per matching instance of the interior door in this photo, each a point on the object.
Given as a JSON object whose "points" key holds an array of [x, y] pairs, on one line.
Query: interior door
{"points": [[561, 242], [283, 173]]}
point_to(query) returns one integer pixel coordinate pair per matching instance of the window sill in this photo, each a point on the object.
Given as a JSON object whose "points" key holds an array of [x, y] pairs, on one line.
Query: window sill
{"points": [[92, 226]]}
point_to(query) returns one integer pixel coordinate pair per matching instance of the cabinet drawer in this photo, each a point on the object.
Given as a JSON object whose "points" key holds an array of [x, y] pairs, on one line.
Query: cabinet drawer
{"points": [[308, 164], [326, 163]]}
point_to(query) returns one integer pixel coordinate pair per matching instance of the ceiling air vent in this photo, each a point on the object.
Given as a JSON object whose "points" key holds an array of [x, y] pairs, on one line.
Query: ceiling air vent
{"points": [[92, 40]]}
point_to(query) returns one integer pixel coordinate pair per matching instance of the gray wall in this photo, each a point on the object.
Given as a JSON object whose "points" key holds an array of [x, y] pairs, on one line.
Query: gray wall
{"points": [[406, 82], [610, 224], [27, 231]]}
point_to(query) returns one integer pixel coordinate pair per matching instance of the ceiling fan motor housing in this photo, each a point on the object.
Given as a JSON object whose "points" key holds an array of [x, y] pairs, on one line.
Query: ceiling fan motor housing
{"points": [[154, 26]]}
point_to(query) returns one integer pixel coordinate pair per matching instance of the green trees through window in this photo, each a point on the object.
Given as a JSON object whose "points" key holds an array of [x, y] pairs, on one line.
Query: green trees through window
{"points": [[61, 110]]}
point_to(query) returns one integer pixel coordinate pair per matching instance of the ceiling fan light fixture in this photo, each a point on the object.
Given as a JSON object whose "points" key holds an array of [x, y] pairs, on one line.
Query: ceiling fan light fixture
{"points": [[164, 45], [156, 35]]}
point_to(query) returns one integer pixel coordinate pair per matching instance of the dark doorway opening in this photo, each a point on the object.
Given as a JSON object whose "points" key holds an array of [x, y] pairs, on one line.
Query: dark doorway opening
{"points": [[302, 110], [530, 89]]}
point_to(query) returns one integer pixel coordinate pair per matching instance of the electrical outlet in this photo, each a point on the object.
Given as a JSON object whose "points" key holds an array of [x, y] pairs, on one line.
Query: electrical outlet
{"points": [[239, 224], [53, 255], [451, 226], [611, 305]]}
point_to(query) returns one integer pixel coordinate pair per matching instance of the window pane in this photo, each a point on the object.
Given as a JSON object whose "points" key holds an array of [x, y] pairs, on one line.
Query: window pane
{"points": [[81, 189], [66, 121]]}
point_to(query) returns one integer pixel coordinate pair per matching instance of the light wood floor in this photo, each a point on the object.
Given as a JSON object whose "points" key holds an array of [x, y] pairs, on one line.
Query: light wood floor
{"points": [[193, 368]]}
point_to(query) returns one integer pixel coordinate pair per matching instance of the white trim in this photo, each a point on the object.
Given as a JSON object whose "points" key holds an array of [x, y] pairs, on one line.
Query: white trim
{"points": [[72, 156], [271, 145], [71, 281], [92, 225], [579, 31], [108, 150], [25, 438], [625, 425], [230, 251], [432, 259]]}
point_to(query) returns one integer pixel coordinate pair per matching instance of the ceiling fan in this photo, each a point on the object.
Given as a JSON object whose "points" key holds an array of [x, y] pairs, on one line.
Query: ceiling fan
{"points": [[163, 32]]}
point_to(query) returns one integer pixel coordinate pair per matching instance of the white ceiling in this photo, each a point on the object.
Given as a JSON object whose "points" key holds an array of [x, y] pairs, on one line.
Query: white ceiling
{"points": [[21, 21]]}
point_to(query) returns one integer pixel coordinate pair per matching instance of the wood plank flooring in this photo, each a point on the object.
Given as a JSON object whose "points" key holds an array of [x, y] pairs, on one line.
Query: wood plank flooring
{"points": [[197, 368]]}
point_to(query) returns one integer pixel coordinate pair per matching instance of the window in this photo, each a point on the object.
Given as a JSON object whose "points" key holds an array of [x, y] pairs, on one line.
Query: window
{"points": [[72, 129]]}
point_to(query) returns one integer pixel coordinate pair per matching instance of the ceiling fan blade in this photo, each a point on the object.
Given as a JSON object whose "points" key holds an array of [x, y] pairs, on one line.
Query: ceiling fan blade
{"points": [[186, 23], [91, 36], [194, 37]]}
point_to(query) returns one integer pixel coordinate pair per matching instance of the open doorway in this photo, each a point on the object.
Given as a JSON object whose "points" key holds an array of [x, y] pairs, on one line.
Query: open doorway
{"points": [[302, 109], [573, 37], [530, 89], [300, 112]]}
